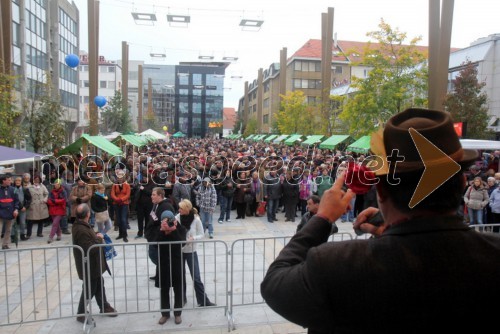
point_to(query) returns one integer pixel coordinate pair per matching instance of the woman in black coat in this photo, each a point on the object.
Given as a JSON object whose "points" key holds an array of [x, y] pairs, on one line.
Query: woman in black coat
{"points": [[242, 188], [171, 266], [290, 196]]}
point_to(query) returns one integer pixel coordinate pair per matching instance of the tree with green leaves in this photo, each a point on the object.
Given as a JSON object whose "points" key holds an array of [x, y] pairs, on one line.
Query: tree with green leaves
{"points": [[42, 118], [115, 117], [397, 80], [9, 124], [467, 102], [250, 128], [296, 116]]}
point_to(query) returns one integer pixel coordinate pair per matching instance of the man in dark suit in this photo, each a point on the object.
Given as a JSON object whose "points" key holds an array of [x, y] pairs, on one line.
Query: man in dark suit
{"points": [[422, 270], [85, 237]]}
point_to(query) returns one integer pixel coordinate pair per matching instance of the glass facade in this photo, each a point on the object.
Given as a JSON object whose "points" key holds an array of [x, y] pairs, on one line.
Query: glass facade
{"points": [[200, 88], [68, 44], [162, 91]]}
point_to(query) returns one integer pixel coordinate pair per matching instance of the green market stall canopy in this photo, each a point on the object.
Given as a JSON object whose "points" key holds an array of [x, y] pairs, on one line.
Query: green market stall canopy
{"points": [[313, 139], [292, 139], [97, 141], [362, 145], [332, 142]]}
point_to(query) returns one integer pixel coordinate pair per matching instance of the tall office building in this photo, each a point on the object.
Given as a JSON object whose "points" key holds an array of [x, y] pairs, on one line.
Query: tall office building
{"points": [[43, 33], [199, 98]]}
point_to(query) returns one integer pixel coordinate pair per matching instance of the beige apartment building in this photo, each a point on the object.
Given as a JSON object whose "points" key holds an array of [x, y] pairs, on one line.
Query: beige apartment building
{"points": [[261, 99]]}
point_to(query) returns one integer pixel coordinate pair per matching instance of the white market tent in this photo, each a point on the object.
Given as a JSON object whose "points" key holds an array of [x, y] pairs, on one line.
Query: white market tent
{"points": [[152, 133], [112, 136], [479, 144]]}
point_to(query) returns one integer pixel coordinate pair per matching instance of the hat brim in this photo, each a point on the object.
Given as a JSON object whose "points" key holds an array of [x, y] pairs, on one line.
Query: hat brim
{"points": [[468, 158]]}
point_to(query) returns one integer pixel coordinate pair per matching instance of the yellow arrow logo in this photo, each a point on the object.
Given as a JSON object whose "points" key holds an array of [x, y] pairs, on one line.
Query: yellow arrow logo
{"points": [[439, 167]]}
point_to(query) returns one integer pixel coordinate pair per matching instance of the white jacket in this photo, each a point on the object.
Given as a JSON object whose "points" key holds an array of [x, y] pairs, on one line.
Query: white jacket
{"points": [[196, 231]]}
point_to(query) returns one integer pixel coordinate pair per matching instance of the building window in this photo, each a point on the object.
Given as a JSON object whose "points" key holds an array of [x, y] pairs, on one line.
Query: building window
{"points": [[103, 84], [111, 69], [338, 69], [265, 119], [266, 103]]}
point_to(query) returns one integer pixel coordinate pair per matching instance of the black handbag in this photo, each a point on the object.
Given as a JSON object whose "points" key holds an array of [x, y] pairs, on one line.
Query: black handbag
{"points": [[248, 198]]}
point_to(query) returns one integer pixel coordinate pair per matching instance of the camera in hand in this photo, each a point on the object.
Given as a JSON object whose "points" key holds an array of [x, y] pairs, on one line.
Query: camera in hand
{"points": [[375, 220], [170, 223]]}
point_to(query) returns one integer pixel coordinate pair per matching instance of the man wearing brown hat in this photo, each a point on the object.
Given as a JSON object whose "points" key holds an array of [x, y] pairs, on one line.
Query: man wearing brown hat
{"points": [[422, 269]]}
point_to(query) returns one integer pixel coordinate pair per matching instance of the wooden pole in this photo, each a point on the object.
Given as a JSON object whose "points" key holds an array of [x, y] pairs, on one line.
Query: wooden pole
{"points": [[93, 23], [139, 100], [440, 28], [124, 75]]}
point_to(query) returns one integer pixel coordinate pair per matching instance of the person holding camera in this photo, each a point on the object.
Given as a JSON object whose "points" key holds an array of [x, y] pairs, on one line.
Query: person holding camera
{"points": [[422, 269], [170, 265]]}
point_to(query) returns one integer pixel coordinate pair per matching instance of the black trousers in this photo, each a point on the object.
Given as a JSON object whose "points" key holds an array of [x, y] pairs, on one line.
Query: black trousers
{"points": [[241, 209], [142, 217], [97, 290]]}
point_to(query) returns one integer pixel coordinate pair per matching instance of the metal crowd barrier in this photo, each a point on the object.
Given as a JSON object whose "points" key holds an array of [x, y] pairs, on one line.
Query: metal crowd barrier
{"points": [[486, 228], [38, 284], [42, 283]]}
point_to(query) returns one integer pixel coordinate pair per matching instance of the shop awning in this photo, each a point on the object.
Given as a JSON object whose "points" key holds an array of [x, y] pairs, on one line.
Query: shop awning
{"points": [[334, 140], [237, 136], [314, 139], [12, 156], [250, 137], [271, 137], [280, 138], [97, 141], [362, 145], [292, 139]]}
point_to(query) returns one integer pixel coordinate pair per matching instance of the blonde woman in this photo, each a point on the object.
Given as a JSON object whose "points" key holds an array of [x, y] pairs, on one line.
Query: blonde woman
{"points": [[189, 218]]}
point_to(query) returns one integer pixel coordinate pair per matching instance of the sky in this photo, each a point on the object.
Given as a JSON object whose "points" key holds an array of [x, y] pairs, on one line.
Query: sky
{"points": [[214, 29]]}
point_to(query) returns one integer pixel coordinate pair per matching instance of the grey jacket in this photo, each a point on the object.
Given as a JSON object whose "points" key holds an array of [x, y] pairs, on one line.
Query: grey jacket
{"points": [[476, 199]]}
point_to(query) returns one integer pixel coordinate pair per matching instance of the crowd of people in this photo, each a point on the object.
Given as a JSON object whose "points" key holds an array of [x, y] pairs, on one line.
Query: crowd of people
{"points": [[174, 187]]}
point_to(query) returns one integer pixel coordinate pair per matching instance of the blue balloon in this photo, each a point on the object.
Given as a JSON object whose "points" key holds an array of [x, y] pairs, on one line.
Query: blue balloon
{"points": [[100, 101], [72, 60]]}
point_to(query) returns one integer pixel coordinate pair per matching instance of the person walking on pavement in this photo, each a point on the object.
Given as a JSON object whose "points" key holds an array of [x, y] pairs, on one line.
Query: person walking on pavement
{"points": [[84, 236]]}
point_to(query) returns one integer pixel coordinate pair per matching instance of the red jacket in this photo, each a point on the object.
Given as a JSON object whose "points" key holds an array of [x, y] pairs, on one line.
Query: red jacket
{"points": [[120, 194], [57, 202]]}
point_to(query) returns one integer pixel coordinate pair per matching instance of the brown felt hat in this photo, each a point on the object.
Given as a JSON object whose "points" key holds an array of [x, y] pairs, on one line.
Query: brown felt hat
{"points": [[435, 126]]}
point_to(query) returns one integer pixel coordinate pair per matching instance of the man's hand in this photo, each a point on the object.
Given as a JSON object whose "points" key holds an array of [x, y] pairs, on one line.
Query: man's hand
{"points": [[363, 225], [15, 213], [335, 202]]}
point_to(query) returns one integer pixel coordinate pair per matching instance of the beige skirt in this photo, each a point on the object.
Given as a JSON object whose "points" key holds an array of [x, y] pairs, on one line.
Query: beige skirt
{"points": [[101, 217]]}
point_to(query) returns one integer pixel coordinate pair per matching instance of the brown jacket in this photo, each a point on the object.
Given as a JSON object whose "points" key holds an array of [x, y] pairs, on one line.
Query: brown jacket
{"points": [[84, 236], [83, 193]]}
